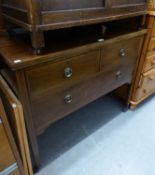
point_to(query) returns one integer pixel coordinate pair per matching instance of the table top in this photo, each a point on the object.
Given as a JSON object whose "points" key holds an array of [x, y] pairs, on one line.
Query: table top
{"points": [[17, 53]]}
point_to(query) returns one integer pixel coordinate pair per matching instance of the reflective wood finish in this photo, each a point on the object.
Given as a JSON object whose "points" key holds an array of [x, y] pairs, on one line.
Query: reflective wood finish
{"points": [[39, 16]]}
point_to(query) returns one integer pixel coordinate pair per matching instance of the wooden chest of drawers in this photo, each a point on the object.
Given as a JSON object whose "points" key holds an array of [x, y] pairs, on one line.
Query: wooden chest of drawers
{"points": [[38, 16], [144, 85], [60, 81]]}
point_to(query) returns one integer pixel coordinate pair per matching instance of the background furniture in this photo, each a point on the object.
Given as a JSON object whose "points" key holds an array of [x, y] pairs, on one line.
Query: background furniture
{"points": [[144, 85], [15, 116], [39, 16], [10, 162]]}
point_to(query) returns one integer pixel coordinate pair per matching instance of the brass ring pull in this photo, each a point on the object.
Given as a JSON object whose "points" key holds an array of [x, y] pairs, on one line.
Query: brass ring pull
{"points": [[119, 75], [122, 52], [68, 72], [68, 99]]}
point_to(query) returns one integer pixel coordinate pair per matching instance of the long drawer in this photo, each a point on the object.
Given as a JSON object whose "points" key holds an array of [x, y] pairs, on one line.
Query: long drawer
{"points": [[70, 71]]}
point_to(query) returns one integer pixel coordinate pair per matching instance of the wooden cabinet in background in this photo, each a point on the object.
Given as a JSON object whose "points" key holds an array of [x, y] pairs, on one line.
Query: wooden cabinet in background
{"points": [[39, 16], [144, 84]]}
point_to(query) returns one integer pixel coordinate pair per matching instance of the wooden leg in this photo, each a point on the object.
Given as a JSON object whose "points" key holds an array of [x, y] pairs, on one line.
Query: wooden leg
{"points": [[132, 107], [24, 99], [37, 39]]}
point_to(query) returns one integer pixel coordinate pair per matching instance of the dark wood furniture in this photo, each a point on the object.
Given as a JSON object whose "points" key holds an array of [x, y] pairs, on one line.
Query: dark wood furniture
{"points": [[71, 72], [144, 85], [14, 112], [38, 16], [10, 162]]}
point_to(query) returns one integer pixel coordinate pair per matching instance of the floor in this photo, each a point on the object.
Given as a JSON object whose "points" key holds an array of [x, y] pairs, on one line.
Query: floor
{"points": [[100, 139]]}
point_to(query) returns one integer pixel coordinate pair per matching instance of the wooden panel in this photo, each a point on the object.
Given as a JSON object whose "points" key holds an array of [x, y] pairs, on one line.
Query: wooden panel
{"points": [[153, 27], [121, 53], [146, 85], [70, 5], [152, 45], [53, 75], [149, 63], [6, 155], [10, 155], [15, 113]]}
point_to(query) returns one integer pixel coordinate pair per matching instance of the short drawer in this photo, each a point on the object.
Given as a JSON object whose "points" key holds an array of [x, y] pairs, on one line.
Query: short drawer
{"points": [[120, 53], [146, 85], [56, 103], [149, 63], [65, 72]]}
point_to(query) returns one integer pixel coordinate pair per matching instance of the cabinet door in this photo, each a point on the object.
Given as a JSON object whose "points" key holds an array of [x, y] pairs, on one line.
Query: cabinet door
{"points": [[10, 162], [14, 112]]}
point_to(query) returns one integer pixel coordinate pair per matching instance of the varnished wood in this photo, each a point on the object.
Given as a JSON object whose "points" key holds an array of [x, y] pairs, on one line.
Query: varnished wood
{"points": [[67, 48], [38, 16], [7, 158], [97, 68], [15, 114], [8, 149], [144, 85]]}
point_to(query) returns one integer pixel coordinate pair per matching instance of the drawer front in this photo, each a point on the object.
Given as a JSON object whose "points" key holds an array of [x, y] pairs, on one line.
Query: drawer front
{"points": [[147, 85], [149, 63], [65, 72], [56, 103], [122, 53], [6, 154]]}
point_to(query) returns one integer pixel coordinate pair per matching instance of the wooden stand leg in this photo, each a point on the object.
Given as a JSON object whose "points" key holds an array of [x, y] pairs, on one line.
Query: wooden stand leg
{"points": [[37, 39]]}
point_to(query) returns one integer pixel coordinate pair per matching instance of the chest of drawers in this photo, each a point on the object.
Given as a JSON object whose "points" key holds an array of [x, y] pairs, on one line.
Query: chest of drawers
{"points": [[144, 85], [52, 85], [39, 16]]}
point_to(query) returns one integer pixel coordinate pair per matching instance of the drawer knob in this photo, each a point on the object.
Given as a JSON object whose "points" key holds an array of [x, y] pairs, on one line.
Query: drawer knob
{"points": [[68, 72], [68, 99], [122, 52], [119, 75]]}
